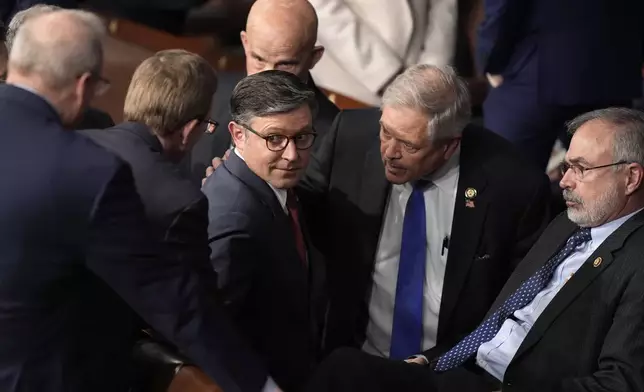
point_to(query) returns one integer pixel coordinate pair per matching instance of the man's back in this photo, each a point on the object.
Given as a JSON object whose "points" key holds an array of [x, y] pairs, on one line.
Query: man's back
{"points": [[53, 180]]}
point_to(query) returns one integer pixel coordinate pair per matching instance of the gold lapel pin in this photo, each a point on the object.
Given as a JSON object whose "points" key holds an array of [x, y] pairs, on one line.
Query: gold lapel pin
{"points": [[470, 193], [597, 262]]}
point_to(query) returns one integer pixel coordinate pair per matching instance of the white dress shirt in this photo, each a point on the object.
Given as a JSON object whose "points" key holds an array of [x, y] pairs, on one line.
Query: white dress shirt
{"points": [[495, 356], [440, 197]]}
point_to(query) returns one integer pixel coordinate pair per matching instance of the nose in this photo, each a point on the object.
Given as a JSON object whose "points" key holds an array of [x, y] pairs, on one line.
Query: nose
{"points": [[290, 152], [268, 67], [567, 181], [391, 150]]}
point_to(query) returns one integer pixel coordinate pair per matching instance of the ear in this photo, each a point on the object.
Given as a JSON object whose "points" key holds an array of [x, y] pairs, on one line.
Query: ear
{"points": [[244, 40], [318, 51], [635, 178], [450, 147], [237, 134], [83, 86], [187, 130]]}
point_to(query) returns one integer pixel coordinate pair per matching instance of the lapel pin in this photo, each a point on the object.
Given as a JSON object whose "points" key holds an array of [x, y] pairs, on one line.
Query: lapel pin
{"points": [[470, 193], [469, 203], [597, 262]]}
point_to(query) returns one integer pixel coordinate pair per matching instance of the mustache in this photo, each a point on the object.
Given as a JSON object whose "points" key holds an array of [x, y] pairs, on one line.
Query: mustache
{"points": [[569, 195]]}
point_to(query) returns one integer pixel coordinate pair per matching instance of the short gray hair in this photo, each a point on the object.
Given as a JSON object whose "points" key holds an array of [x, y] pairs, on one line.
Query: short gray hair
{"points": [[628, 124], [22, 16], [438, 92], [59, 47], [267, 93]]}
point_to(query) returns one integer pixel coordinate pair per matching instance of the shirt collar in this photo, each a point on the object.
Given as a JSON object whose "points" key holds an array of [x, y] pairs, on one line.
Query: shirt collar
{"points": [[280, 193], [600, 233]]}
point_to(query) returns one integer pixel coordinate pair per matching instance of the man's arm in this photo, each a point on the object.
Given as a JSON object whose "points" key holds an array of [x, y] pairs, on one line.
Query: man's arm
{"points": [[440, 38], [503, 23], [356, 46], [163, 290]]}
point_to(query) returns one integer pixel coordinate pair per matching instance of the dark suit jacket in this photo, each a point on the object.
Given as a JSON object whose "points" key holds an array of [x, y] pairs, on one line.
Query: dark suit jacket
{"points": [[274, 297], [216, 144], [348, 192], [72, 221], [95, 119], [591, 336], [580, 52]]}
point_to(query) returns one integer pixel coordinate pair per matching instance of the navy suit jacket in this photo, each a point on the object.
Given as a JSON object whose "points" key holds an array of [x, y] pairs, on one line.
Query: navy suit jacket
{"points": [[72, 224], [578, 52], [274, 296]]}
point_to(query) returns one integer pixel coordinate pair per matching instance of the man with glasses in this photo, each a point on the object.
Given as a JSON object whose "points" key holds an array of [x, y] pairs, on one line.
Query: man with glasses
{"points": [[165, 112], [270, 277], [571, 317]]}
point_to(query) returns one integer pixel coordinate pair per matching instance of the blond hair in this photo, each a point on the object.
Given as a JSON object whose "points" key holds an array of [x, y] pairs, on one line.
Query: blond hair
{"points": [[170, 89]]}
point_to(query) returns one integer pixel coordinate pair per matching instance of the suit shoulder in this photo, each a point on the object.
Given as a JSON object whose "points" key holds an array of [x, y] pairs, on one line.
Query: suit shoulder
{"points": [[357, 127]]}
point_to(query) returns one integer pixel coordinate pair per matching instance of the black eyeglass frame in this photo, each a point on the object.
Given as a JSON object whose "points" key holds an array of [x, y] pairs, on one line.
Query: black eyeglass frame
{"points": [[288, 139], [565, 166]]}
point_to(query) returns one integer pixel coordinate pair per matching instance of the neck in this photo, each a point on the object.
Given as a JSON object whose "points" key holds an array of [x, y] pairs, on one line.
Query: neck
{"points": [[170, 150], [56, 98]]}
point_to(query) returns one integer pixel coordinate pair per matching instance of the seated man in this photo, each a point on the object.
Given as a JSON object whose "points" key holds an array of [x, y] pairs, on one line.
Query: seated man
{"points": [[269, 276], [571, 317], [91, 118]]}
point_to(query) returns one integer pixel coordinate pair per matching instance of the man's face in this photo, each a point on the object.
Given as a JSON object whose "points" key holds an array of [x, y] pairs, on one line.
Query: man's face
{"points": [[405, 146], [281, 168], [596, 196], [267, 48]]}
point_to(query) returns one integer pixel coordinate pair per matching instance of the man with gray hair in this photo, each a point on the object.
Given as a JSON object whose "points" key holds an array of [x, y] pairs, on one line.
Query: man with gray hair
{"points": [[423, 217], [269, 275], [77, 250], [571, 316], [91, 118]]}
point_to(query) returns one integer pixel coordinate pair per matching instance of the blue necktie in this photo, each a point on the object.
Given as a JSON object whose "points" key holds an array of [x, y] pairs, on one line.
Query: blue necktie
{"points": [[407, 331], [525, 294]]}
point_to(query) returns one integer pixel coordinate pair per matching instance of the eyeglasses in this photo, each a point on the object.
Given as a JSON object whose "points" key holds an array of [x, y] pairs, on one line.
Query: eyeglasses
{"points": [[580, 171], [276, 143], [102, 85], [211, 125]]}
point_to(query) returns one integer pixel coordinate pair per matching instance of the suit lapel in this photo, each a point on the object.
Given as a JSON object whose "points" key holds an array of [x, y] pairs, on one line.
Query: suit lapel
{"points": [[588, 272], [467, 225]]}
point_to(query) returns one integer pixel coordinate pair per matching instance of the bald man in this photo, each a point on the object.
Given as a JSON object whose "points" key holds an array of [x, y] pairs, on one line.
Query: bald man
{"points": [[286, 43]]}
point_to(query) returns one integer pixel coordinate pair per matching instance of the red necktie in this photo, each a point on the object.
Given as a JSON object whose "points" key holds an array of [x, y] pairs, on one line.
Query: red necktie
{"points": [[291, 204]]}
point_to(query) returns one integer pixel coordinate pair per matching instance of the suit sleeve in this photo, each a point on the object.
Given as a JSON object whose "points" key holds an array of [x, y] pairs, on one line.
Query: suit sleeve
{"points": [[234, 256], [620, 366], [163, 290], [440, 39], [501, 26], [356, 46], [317, 178]]}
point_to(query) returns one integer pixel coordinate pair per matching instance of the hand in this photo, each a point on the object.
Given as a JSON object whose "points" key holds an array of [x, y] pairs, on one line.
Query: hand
{"points": [[417, 361], [214, 164], [192, 379], [494, 80]]}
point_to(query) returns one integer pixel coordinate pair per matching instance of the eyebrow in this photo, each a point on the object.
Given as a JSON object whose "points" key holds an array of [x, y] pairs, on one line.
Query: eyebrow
{"points": [[291, 61], [275, 130], [580, 160], [411, 144]]}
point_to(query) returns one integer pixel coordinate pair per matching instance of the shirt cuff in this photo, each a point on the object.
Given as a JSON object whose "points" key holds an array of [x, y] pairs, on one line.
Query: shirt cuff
{"points": [[270, 386]]}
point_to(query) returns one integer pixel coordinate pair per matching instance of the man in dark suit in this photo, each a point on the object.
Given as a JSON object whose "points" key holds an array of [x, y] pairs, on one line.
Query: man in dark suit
{"points": [[91, 117], [286, 43], [417, 249], [551, 60], [571, 317], [152, 144], [73, 228], [270, 277]]}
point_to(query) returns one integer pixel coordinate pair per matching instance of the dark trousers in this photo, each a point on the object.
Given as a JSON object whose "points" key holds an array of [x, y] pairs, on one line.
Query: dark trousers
{"points": [[352, 370]]}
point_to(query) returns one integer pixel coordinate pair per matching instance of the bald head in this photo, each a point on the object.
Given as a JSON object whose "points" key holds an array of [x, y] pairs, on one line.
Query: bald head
{"points": [[59, 54], [58, 47], [281, 34], [22, 16]]}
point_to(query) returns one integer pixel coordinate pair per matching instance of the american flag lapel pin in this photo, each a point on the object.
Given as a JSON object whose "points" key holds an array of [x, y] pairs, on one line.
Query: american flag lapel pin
{"points": [[470, 194]]}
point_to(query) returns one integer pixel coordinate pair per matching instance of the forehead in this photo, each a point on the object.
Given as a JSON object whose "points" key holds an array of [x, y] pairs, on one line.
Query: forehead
{"points": [[592, 142], [285, 123], [274, 41], [404, 121]]}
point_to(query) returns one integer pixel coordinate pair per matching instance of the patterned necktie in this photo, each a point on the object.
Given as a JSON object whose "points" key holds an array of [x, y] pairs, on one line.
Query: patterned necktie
{"points": [[291, 205], [407, 329], [525, 294]]}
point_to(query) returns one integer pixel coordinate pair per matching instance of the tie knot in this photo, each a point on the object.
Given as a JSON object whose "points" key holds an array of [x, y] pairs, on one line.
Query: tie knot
{"points": [[581, 236], [421, 185]]}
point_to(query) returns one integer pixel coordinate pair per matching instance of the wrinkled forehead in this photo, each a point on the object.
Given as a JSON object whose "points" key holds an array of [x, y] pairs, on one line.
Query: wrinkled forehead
{"points": [[274, 39], [592, 143]]}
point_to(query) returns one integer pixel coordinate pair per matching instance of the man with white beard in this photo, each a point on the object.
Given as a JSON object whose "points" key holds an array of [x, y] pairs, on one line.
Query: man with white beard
{"points": [[571, 317]]}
